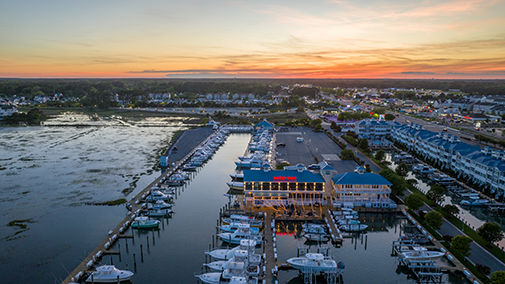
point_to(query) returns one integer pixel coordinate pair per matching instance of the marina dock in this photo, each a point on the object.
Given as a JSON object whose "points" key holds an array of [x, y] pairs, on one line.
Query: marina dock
{"points": [[186, 145]]}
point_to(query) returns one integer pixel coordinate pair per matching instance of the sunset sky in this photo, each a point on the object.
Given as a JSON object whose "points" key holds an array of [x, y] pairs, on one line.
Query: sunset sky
{"points": [[252, 39]]}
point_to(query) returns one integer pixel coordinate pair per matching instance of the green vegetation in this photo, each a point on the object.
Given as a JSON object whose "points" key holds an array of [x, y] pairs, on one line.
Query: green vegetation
{"points": [[434, 219], [491, 232], [347, 154], [112, 202], [34, 117], [399, 183], [414, 201], [402, 170], [436, 193], [497, 277], [380, 155], [461, 244], [19, 223]]}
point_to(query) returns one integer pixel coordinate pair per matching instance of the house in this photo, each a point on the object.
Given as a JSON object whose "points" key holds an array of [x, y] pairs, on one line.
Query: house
{"points": [[362, 189], [264, 125], [7, 111], [374, 130]]}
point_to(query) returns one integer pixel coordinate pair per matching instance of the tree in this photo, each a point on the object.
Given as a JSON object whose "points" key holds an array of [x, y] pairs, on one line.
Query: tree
{"points": [[380, 155], [451, 209], [436, 193], [434, 219], [461, 244], [398, 183], [367, 168], [402, 170], [389, 116], [490, 232], [414, 201], [497, 277], [363, 144], [347, 154]]}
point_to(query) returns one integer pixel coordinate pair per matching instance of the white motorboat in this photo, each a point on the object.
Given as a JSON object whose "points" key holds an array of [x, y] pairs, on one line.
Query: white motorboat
{"points": [[158, 195], [474, 202], [236, 185], [253, 163], [314, 229], [109, 274], [242, 219], [316, 237], [160, 204], [441, 179], [238, 256], [226, 254], [242, 233], [159, 212], [216, 278], [421, 253], [234, 226], [353, 226], [237, 177], [316, 262]]}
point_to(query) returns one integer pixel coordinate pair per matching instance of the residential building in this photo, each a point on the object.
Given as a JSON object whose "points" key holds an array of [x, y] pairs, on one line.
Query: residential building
{"points": [[374, 130], [483, 166], [7, 111], [362, 189]]}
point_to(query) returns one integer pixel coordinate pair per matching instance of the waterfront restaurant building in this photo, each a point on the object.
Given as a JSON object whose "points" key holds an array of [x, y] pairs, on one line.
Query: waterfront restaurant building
{"points": [[360, 188], [295, 185]]}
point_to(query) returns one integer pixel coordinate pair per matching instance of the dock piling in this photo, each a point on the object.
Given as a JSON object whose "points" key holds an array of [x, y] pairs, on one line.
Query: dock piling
{"points": [[134, 263], [141, 253], [119, 250]]}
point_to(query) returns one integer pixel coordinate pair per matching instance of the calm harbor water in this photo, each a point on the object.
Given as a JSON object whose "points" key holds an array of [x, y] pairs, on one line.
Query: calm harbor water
{"points": [[53, 172], [48, 175]]}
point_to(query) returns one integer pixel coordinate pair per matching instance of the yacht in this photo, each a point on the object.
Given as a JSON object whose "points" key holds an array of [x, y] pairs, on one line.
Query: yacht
{"points": [[421, 253], [316, 262], [109, 274], [234, 226], [237, 177], [314, 229], [158, 195], [243, 232], [243, 219], [226, 254], [236, 185], [353, 226], [316, 237], [252, 259], [159, 212], [253, 163], [441, 179], [145, 223]]}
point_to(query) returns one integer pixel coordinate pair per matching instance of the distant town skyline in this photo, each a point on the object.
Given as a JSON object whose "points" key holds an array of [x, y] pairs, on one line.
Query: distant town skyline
{"points": [[460, 39]]}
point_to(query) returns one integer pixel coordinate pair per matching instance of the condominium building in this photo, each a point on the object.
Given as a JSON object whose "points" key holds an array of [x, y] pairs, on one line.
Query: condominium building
{"points": [[374, 130], [484, 166]]}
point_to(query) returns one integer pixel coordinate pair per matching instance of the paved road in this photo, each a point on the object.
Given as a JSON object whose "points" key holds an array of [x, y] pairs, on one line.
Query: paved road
{"points": [[478, 253]]}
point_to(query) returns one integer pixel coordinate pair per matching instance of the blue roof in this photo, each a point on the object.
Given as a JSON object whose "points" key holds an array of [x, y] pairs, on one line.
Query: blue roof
{"points": [[357, 178], [282, 176], [264, 123]]}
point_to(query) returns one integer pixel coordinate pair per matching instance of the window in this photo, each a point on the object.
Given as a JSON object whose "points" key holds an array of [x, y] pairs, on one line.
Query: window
{"points": [[366, 186], [357, 186], [375, 186], [348, 186]]}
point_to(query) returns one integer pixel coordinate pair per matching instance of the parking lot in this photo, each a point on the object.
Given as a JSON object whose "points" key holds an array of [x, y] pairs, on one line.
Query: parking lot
{"points": [[315, 144]]}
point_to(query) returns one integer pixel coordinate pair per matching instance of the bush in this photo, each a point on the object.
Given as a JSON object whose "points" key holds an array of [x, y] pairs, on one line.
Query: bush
{"points": [[447, 238], [486, 270]]}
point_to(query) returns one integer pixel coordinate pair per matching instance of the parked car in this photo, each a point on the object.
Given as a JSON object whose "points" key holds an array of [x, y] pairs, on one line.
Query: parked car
{"points": [[314, 167], [445, 129], [281, 144]]}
